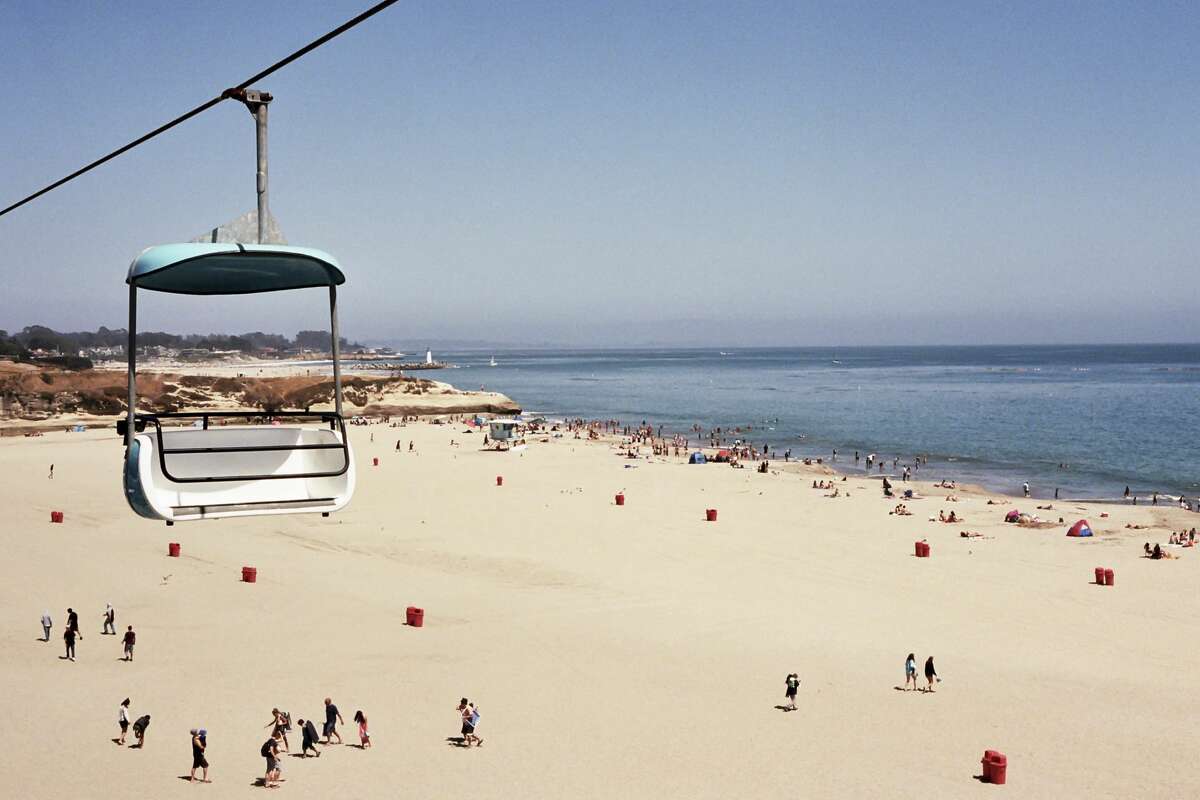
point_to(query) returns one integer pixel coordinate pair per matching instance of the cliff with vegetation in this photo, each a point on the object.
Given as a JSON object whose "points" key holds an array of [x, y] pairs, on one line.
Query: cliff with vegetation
{"points": [[34, 393]]}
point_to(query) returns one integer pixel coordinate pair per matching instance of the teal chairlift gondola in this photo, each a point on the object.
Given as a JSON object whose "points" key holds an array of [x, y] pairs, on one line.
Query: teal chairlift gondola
{"points": [[178, 465]]}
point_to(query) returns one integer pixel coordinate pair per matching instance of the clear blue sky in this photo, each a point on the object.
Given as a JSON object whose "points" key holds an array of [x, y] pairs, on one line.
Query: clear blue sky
{"points": [[612, 173]]}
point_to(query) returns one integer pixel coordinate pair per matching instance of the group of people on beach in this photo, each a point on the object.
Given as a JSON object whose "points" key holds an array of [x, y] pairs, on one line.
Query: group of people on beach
{"points": [[72, 634], [281, 723]]}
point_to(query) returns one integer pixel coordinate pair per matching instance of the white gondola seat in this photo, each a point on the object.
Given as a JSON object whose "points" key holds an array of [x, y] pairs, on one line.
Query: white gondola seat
{"points": [[204, 479]]}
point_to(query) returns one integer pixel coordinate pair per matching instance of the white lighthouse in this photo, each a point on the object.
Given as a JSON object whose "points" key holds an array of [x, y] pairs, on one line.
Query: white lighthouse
{"points": [[429, 357]]}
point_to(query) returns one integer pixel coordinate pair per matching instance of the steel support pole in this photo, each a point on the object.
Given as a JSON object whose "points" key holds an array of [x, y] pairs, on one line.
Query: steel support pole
{"points": [[337, 366], [260, 123], [131, 353]]}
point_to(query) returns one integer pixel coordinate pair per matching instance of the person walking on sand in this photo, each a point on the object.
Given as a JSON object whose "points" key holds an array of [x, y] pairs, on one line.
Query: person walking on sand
{"points": [[73, 621], [270, 751], [793, 683], [281, 723], [129, 640], [470, 719], [333, 718], [69, 640], [110, 619], [123, 720], [910, 671], [364, 735], [51, 475], [199, 745], [930, 674], [309, 732], [47, 623], [1025, 488]]}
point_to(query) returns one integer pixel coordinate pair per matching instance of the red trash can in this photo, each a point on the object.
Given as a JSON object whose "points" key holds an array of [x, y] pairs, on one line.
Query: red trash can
{"points": [[250, 574], [499, 480], [921, 549], [374, 462], [620, 499], [1099, 576], [173, 549], [1108, 577], [985, 764], [415, 616], [56, 516], [710, 514], [999, 768]]}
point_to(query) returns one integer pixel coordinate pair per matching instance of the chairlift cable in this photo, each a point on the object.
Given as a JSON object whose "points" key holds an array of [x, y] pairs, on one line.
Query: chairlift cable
{"points": [[228, 93]]}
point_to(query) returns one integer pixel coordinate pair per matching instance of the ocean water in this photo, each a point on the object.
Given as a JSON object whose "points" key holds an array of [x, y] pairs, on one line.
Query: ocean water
{"points": [[1088, 420]]}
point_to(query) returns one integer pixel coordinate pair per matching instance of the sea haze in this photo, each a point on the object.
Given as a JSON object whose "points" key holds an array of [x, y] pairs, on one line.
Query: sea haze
{"points": [[1114, 415]]}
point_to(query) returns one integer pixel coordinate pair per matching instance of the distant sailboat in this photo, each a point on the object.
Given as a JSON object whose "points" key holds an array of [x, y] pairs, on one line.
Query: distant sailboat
{"points": [[492, 363]]}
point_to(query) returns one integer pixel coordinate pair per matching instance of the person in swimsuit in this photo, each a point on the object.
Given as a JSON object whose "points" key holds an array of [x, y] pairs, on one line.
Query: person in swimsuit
{"points": [[910, 671], [930, 673], [198, 760], [364, 735], [280, 723], [123, 720], [309, 732], [793, 683]]}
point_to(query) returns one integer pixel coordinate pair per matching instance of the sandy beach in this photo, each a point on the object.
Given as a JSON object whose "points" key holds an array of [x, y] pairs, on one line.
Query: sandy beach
{"points": [[613, 651]]}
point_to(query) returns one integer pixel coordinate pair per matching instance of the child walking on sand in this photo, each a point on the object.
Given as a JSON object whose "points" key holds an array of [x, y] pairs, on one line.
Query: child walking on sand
{"points": [[309, 732], [364, 735]]}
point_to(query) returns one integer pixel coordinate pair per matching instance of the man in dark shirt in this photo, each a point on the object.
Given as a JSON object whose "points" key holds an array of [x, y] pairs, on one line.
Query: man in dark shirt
{"points": [[332, 720], [129, 640]]}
